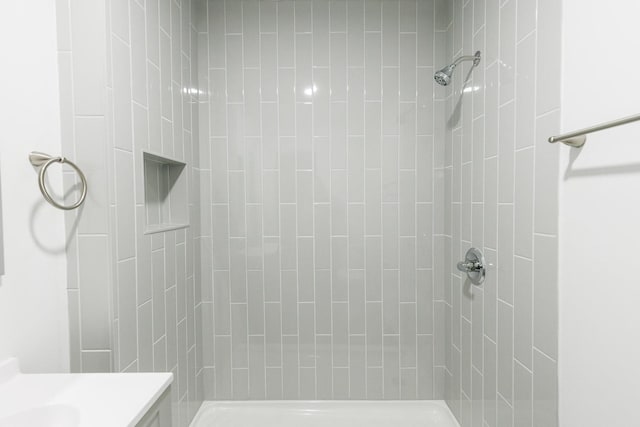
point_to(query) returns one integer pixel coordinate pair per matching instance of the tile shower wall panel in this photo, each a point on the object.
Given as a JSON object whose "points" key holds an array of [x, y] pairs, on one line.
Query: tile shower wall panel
{"points": [[500, 338], [158, 296], [129, 84], [83, 104], [317, 206]]}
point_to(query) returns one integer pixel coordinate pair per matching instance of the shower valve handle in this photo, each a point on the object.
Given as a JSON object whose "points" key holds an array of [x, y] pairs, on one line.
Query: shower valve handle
{"points": [[469, 266], [474, 266]]}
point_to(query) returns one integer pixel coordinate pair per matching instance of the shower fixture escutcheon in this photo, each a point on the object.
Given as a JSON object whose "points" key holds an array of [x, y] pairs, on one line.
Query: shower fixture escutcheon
{"points": [[443, 76], [474, 266]]}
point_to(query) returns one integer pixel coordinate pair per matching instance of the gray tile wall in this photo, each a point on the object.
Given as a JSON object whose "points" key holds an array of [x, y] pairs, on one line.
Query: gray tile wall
{"points": [[317, 183], [83, 106], [129, 83], [500, 194], [331, 190]]}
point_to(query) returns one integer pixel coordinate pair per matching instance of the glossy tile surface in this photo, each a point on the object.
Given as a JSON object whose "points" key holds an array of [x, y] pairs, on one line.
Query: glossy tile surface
{"points": [[500, 338], [320, 189], [128, 84]]}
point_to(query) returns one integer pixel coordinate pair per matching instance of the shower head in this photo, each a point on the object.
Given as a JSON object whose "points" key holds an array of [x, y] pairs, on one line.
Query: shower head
{"points": [[443, 76]]}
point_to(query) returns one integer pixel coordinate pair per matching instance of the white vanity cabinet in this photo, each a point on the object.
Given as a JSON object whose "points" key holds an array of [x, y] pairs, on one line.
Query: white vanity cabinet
{"points": [[83, 400], [160, 413]]}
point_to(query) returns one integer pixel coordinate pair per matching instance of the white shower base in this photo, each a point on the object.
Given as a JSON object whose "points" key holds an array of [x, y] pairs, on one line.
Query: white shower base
{"points": [[424, 413]]}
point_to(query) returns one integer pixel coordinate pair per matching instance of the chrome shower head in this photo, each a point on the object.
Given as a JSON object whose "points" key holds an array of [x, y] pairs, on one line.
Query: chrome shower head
{"points": [[443, 76]]}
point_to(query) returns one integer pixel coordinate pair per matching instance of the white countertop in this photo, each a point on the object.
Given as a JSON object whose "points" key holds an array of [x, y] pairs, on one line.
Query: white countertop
{"points": [[76, 400]]}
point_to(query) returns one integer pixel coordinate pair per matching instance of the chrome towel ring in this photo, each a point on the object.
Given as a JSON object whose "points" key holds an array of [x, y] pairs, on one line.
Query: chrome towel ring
{"points": [[43, 161]]}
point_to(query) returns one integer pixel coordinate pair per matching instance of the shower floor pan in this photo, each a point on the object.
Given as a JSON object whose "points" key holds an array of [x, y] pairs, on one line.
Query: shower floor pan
{"points": [[424, 413]]}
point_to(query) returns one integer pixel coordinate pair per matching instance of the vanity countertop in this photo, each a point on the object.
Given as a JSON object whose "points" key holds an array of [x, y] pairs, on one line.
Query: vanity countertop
{"points": [[76, 400]]}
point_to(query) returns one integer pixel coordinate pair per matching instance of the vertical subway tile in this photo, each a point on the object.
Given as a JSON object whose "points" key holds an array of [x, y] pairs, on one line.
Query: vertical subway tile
{"points": [[373, 65], [93, 279], [390, 32], [321, 27], [507, 50], [390, 236], [290, 366], [255, 301], [390, 106], [390, 302], [545, 391], [545, 295], [546, 178], [238, 272], [357, 367], [288, 237], [273, 335], [523, 311], [289, 303], [268, 16], [373, 268], [338, 66], [122, 95], [338, 15], [274, 383], [257, 375], [424, 372], [305, 269], [304, 134], [127, 313], [391, 367], [223, 385], [254, 237], [239, 338], [505, 351], [407, 61], [321, 93], [523, 203], [548, 89], [271, 254], [322, 170], [505, 253], [374, 334], [408, 335], [357, 304], [323, 307], [304, 203], [89, 63], [373, 15], [324, 368], [306, 333], [340, 335], [525, 90], [522, 396], [322, 237], [506, 157]]}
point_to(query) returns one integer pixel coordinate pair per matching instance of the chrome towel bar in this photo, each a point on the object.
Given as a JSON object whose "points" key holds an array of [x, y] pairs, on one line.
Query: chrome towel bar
{"points": [[578, 138], [43, 161]]}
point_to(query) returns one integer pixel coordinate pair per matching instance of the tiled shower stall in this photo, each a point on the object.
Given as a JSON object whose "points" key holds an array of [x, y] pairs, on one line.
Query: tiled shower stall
{"points": [[327, 187]]}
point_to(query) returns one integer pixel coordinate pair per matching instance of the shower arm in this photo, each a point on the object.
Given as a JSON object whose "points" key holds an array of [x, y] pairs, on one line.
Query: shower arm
{"points": [[475, 58]]}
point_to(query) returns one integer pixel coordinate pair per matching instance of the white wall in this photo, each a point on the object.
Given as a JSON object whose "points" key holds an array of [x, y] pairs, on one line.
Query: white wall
{"points": [[600, 207], [33, 308]]}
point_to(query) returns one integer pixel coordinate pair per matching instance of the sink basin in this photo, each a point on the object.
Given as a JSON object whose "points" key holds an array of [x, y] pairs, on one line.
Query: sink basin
{"points": [[76, 400], [51, 415]]}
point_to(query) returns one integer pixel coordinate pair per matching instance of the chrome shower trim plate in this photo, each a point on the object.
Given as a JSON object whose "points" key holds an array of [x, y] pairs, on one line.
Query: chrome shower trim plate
{"points": [[474, 266]]}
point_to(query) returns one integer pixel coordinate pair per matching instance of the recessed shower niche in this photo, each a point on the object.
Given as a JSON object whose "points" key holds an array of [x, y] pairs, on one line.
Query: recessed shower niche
{"points": [[165, 193]]}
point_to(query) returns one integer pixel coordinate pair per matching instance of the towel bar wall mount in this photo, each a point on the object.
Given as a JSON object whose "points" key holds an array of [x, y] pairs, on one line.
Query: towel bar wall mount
{"points": [[578, 138], [43, 161]]}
